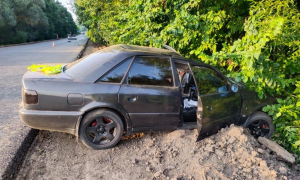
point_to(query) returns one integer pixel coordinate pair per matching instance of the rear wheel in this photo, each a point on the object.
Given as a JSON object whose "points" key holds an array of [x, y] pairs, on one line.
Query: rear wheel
{"points": [[260, 124], [101, 129]]}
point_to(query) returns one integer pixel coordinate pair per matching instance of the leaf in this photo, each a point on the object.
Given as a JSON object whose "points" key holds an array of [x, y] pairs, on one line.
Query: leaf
{"points": [[278, 114], [280, 101], [260, 95], [256, 54], [276, 65], [280, 124], [297, 143]]}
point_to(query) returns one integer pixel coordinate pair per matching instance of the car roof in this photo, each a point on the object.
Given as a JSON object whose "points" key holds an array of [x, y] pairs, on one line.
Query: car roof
{"points": [[144, 50], [98, 63], [123, 48]]}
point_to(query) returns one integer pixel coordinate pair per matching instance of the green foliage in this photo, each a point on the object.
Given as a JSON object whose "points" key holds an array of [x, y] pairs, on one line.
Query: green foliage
{"points": [[286, 118], [33, 20], [101, 17], [256, 42], [20, 37]]}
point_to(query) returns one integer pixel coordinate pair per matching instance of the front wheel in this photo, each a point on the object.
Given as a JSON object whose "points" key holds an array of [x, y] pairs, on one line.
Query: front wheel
{"points": [[260, 125], [101, 129]]}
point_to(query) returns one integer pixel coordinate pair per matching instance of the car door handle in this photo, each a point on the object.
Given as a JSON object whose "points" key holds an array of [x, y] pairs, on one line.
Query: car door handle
{"points": [[132, 99]]}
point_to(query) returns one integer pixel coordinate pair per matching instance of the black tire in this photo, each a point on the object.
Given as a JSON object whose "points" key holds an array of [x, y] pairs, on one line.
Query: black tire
{"points": [[101, 129], [260, 124]]}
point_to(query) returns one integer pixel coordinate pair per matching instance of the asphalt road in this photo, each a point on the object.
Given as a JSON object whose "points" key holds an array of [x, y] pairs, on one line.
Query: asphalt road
{"points": [[13, 64]]}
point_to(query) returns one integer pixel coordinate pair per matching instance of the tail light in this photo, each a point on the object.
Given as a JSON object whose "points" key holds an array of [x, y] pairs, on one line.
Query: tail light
{"points": [[30, 96]]}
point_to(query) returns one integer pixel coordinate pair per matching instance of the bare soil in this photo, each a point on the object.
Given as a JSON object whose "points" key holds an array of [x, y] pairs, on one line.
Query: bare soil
{"points": [[230, 154], [91, 48]]}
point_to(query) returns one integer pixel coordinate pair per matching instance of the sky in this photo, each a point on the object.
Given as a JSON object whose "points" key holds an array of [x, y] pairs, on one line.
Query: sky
{"points": [[66, 3]]}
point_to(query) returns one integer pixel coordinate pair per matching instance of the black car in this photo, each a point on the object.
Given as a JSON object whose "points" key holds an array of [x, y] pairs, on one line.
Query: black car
{"points": [[137, 89]]}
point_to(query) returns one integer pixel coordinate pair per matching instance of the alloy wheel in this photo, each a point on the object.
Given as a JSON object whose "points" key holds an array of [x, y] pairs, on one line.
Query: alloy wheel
{"points": [[101, 130], [259, 128]]}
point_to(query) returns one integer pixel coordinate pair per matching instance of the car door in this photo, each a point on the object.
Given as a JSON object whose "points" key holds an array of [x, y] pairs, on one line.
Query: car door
{"points": [[149, 94], [220, 106]]}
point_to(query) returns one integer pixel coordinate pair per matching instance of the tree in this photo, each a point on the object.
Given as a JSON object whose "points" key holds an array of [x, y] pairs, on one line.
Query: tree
{"points": [[31, 20]]}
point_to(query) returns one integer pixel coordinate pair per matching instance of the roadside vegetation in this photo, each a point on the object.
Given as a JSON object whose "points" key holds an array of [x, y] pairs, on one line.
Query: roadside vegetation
{"points": [[33, 20], [255, 42]]}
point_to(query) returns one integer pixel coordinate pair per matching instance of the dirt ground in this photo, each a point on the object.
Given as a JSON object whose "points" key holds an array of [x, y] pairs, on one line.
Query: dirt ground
{"points": [[230, 154], [91, 47]]}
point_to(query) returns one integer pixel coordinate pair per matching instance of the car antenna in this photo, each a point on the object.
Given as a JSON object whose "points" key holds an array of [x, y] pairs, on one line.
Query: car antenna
{"points": [[169, 48]]}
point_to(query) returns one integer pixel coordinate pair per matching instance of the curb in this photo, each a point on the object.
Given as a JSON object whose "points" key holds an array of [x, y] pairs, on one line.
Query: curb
{"points": [[12, 170], [83, 49]]}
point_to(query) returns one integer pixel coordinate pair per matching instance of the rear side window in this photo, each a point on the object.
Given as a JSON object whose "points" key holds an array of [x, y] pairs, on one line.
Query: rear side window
{"points": [[154, 71], [116, 74]]}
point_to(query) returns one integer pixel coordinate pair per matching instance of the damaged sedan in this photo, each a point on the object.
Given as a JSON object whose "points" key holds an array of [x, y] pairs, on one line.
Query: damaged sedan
{"points": [[126, 88]]}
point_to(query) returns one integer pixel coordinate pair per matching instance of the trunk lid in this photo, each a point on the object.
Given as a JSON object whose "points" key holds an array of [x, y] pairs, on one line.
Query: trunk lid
{"points": [[37, 75], [40, 76], [31, 78]]}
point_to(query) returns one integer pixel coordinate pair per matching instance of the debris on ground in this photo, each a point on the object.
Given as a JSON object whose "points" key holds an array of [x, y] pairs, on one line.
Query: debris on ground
{"points": [[231, 154], [280, 151]]}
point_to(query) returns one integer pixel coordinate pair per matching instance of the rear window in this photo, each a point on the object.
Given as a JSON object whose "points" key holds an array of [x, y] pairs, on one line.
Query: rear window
{"points": [[82, 66]]}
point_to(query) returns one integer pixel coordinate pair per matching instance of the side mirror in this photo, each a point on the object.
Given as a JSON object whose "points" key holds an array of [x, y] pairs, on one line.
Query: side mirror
{"points": [[234, 88]]}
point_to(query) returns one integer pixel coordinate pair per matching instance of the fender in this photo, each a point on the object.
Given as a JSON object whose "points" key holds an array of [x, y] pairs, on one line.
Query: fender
{"points": [[96, 105], [251, 104]]}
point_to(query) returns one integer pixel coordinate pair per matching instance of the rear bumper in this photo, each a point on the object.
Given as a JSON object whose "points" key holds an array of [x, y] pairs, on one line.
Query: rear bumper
{"points": [[62, 121]]}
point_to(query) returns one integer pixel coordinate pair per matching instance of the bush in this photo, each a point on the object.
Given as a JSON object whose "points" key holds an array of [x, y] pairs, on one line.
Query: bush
{"points": [[286, 118], [20, 37]]}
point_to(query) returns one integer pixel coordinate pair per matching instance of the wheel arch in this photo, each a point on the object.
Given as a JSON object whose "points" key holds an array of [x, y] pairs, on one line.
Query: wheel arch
{"points": [[126, 121], [260, 116], [258, 110], [248, 111]]}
